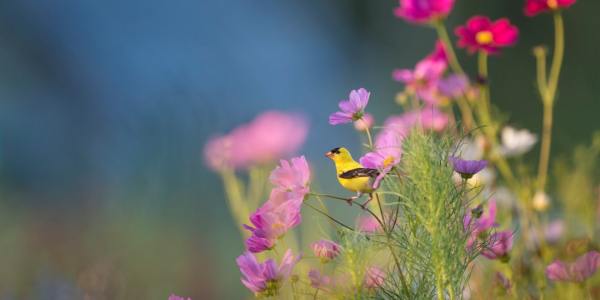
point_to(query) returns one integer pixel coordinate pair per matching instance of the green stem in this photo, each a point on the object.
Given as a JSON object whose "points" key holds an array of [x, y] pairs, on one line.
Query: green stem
{"points": [[368, 131], [443, 35], [548, 93], [237, 206], [328, 216]]}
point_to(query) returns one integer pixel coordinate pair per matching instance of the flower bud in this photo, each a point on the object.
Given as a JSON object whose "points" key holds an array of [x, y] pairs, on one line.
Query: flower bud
{"points": [[326, 250]]}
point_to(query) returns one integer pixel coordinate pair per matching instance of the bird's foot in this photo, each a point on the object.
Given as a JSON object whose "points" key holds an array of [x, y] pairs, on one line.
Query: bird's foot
{"points": [[364, 205], [351, 200]]}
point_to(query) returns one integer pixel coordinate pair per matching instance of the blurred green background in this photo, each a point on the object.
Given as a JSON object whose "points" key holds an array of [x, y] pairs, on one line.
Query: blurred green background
{"points": [[105, 107]]}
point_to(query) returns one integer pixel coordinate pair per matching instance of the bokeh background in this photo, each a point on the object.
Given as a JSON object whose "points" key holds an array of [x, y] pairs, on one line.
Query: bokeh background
{"points": [[105, 107]]}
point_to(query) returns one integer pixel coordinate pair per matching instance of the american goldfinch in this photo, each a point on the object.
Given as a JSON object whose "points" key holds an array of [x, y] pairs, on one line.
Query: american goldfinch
{"points": [[351, 174]]}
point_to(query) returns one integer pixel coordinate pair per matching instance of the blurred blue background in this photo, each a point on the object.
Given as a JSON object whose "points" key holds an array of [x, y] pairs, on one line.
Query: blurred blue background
{"points": [[105, 107]]}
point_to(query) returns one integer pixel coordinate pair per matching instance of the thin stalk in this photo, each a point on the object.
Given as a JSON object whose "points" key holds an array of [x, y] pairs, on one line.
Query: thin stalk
{"points": [[548, 93], [368, 131], [328, 216], [443, 35], [237, 206]]}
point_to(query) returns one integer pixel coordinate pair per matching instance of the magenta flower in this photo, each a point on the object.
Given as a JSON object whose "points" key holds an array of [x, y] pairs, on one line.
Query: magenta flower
{"points": [[352, 109], [326, 250], [318, 280], [292, 175], [387, 153], [175, 297], [481, 34], [479, 225], [374, 278], [500, 244], [270, 136], [265, 279], [271, 221], [535, 7], [439, 53], [423, 80], [423, 11], [467, 168], [583, 268]]}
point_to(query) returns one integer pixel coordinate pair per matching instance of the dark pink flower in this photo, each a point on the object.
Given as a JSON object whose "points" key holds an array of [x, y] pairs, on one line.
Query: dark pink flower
{"points": [[480, 225], [265, 279], [481, 34], [423, 11], [581, 269], [500, 244], [326, 250], [534, 7], [374, 277], [467, 168], [352, 109], [270, 136], [271, 221], [439, 53]]}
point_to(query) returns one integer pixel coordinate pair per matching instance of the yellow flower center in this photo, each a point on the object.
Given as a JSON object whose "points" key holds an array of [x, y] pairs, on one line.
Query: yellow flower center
{"points": [[388, 161], [553, 4], [277, 226], [484, 37]]}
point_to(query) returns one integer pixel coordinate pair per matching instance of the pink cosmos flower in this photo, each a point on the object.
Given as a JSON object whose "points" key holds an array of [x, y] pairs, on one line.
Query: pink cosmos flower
{"points": [[270, 136], [423, 11], [292, 175], [500, 245], [439, 53], [271, 221], [535, 7], [175, 297], [387, 153], [368, 224], [326, 250], [484, 222], [481, 34], [318, 280], [584, 267], [453, 86], [374, 277], [364, 123], [423, 80], [352, 109], [265, 279]]}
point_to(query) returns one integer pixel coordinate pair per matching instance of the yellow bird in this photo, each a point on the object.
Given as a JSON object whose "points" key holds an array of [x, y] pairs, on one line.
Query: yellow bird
{"points": [[351, 174]]}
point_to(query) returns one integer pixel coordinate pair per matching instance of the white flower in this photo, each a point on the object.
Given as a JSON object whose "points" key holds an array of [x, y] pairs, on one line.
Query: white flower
{"points": [[516, 142], [541, 201]]}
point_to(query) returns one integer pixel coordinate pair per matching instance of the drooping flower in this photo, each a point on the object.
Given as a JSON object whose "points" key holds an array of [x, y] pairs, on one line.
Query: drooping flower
{"points": [[516, 142], [352, 109], [270, 136], [318, 280], [535, 7], [500, 244], [423, 11], [374, 277], [292, 175], [365, 123], [467, 168], [481, 34], [272, 220], [265, 279], [478, 222], [326, 250], [578, 271]]}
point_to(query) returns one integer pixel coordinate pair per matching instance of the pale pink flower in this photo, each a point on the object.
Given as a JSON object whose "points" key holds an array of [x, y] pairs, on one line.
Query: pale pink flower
{"points": [[270, 136], [423, 80], [292, 175], [423, 11], [318, 280], [175, 297], [387, 154], [365, 123], [578, 271], [265, 279], [368, 224]]}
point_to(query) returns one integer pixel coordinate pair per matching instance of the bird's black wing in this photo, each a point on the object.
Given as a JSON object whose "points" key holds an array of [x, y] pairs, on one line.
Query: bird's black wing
{"points": [[360, 172]]}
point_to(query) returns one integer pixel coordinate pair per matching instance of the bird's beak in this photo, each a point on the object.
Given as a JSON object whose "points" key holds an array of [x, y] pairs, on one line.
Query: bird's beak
{"points": [[329, 154]]}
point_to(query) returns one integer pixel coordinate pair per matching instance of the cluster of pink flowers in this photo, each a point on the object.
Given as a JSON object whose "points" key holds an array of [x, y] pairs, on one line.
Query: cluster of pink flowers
{"points": [[578, 271], [479, 225], [281, 211], [270, 136]]}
